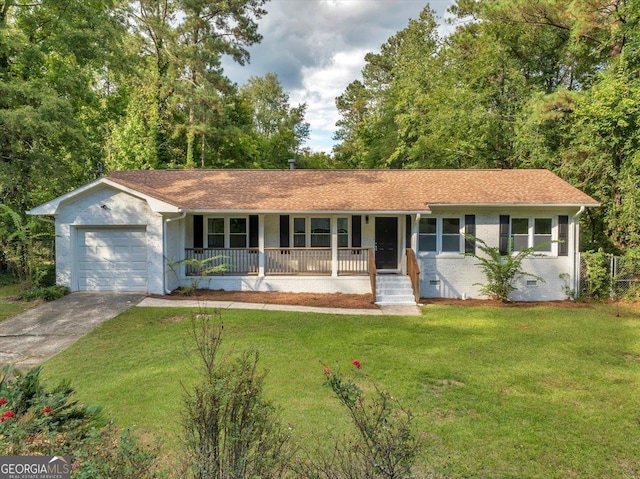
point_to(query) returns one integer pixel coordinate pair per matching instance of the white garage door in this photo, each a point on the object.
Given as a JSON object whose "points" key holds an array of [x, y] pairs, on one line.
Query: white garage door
{"points": [[111, 259]]}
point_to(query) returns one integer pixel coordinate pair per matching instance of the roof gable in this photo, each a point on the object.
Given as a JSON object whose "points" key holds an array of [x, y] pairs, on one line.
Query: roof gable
{"points": [[51, 207]]}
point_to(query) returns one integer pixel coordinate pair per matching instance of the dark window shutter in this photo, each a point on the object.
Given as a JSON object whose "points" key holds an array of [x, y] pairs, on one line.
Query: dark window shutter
{"points": [[284, 231], [253, 231], [198, 231], [504, 234], [408, 230], [563, 235], [356, 231], [470, 229]]}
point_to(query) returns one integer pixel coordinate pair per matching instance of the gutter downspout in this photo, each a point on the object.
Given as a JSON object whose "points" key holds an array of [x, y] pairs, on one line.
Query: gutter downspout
{"points": [[164, 249], [576, 252]]}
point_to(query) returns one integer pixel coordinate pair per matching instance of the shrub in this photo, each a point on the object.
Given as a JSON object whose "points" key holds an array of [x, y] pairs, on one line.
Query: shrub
{"points": [[597, 275], [385, 445], [35, 420], [48, 293], [501, 271], [230, 430]]}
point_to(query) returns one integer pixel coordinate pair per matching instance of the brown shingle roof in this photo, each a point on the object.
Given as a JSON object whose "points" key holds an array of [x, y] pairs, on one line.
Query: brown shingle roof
{"points": [[349, 190]]}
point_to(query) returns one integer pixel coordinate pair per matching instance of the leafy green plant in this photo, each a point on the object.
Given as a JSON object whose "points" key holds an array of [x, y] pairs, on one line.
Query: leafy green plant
{"points": [[501, 272], [230, 430], [597, 278], [21, 247], [35, 420], [385, 445], [201, 269], [48, 293]]}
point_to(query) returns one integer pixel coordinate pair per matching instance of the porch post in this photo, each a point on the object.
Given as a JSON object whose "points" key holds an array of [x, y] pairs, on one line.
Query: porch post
{"points": [[334, 246], [261, 245]]}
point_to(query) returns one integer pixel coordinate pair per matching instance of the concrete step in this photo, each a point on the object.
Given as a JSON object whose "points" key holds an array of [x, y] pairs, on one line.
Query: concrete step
{"points": [[394, 290]]}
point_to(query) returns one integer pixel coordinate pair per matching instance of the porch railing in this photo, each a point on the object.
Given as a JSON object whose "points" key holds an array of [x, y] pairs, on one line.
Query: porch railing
{"points": [[372, 273], [283, 261], [297, 261], [232, 261], [354, 261], [413, 271]]}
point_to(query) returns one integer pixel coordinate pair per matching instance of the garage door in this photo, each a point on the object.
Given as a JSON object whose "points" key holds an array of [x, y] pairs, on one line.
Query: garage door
{"points": [[111, 259]]}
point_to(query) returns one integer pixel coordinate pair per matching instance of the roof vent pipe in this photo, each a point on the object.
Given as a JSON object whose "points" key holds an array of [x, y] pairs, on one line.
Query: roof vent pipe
{"points": [[292, 164]]}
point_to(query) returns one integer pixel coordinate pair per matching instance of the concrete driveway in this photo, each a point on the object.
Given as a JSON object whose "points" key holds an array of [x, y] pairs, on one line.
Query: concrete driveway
{"points": [[38, 334]]}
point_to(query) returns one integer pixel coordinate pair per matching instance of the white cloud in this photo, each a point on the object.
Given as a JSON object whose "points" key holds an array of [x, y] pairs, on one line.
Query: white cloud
{"points": [[317, 47]]}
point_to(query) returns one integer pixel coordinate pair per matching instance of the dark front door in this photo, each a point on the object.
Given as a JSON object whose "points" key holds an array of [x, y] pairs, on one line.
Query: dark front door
{"points": [[386, 243]]}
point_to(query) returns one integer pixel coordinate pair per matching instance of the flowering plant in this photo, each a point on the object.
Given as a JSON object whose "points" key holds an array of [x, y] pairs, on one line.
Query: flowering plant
{"points": [[386, 445]]}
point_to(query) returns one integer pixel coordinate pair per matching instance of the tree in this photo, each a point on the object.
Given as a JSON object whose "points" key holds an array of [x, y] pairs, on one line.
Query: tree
{"points": [[182, 42], [279, 127]]}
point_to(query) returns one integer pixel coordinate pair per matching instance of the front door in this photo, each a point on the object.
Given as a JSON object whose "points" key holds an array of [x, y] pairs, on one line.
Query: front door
{"points": [[386, 243]]}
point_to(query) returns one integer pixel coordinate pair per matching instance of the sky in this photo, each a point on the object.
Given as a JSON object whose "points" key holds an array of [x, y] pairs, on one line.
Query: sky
{"points": [[317, 47]]}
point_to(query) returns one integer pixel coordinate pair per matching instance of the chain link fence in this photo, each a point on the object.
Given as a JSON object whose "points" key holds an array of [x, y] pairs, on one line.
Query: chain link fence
{"points": [[605, 276]]}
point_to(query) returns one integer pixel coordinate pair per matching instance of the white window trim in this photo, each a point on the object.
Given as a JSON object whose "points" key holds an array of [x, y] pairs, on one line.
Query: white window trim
{"points": [[531, 227], [439, 233], [227, 230]]}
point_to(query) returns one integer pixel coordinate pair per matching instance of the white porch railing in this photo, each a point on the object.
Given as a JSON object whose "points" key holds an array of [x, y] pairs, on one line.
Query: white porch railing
{"points": [[235, 260], [277, 261]]}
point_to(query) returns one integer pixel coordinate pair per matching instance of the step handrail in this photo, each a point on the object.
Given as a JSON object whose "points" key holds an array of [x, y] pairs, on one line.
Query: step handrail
{"points": [[413, 271]]}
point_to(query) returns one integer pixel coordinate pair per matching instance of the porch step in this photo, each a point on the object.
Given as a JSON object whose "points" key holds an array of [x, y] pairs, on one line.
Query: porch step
{"points": [[394, 290]]}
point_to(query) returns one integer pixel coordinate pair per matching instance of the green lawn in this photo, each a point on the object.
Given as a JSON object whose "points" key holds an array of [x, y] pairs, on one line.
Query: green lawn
{"points": [[9, 306], [499, 392]]}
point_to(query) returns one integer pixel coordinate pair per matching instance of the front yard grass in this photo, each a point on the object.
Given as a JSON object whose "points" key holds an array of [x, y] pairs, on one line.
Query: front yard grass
{"points": [[9, 305], [532, 392]]}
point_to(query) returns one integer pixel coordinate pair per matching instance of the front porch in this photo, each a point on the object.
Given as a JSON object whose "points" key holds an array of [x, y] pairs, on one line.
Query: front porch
{"points": [[293, 253]]}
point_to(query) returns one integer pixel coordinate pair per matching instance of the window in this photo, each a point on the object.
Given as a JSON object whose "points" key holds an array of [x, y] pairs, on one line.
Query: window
{"points": [[520, 233], [343, 232], [427, 238], [532, 232], [320, 232], [238, 232], [299, 233], [215, 233], [542, 234], [440, 235], [451, 235]]}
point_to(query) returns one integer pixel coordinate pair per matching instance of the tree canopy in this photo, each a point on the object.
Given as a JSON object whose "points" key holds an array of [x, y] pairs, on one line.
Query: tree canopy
{"points": [[91, 85], [518, 84]]}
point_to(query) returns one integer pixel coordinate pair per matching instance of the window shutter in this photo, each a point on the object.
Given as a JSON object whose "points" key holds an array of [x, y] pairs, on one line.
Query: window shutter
{"points": [[198, 231], [470, 229], [356, 231], [284, 231], [408, 230], [253, 231], [563, 235], [504, 234]]}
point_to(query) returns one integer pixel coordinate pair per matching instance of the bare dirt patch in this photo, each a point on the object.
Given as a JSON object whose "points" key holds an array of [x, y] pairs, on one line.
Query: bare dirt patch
{"points": [[333, 300]]}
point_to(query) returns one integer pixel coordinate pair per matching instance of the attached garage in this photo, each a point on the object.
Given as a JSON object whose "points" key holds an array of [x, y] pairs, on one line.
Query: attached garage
{"points": [[111, 259]]}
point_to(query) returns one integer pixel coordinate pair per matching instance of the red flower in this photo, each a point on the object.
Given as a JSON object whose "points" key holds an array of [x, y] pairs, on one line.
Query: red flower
{"points": [[357, 364], [3, 401], [327, 371], [6, 415], [47, 410]]}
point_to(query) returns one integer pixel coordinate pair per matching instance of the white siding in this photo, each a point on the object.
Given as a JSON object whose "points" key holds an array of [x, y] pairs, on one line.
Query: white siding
{"points": [[106, 207], [458, 276]]}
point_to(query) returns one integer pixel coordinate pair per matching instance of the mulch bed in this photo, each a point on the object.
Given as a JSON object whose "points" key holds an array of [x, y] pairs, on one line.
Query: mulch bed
{"points": [[326, 300]]}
